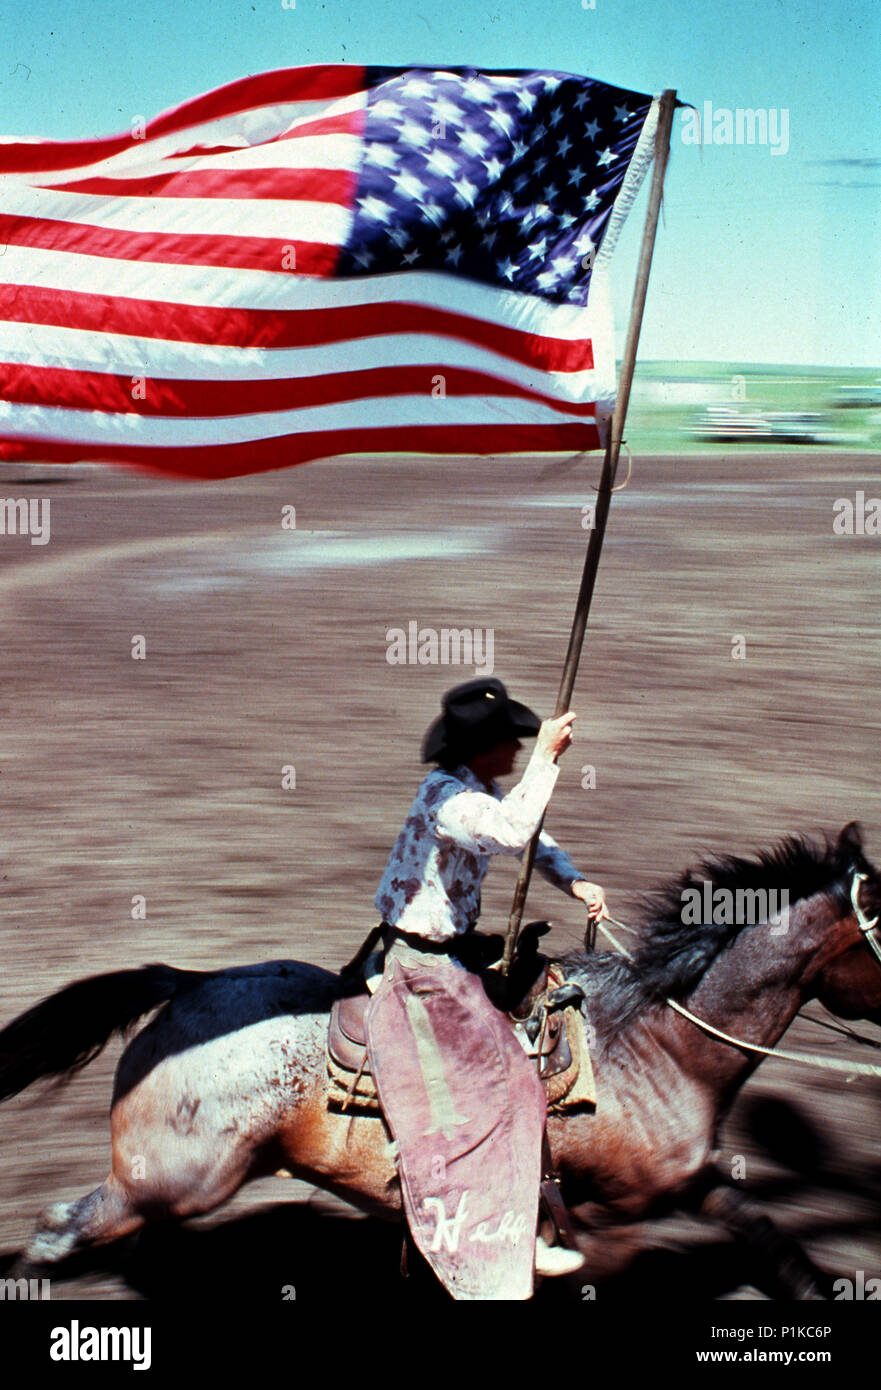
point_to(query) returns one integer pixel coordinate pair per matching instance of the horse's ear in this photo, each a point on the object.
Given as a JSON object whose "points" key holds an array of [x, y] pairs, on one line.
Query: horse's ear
{"points": [[850, 841]]}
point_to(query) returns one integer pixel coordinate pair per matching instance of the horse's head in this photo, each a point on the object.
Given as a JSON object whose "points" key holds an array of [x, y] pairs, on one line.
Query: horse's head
{"points": [[849, 981]]}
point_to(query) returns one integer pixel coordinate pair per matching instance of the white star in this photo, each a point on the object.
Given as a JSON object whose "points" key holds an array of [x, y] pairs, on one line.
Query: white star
{"points": [[439, 162], [566, 220], [546, 279], [413, 134], [592, 201], [505, 204], [583, 244], [387, 107], [621, 113], [433, 213], [527, 99], [507, 270], [538, 248], [375, 208], [564, 146], [551, 192], [581, 100], [577, 175], [363, 257], [520, 182], [542, 210], [539, 133], [540, 164], [410, 257], [576, 293], [467, 191], [606, 157], [382, 155], [493, 169], [490, 239], [520, 150], [417, 87], [592, 129], [472, 142], [446, 110], [503, 119], [556, 116], [454, 254], [409, 185], [399, 236], [563, 265], [478, 88], [551, 83]]}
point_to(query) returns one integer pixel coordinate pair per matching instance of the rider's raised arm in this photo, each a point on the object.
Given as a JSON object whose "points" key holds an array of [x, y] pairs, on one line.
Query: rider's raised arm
{"points": [[479, 822]]}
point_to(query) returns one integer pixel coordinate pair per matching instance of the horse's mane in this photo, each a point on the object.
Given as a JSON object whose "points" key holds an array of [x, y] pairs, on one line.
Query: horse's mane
{"points": [[671, 956]]}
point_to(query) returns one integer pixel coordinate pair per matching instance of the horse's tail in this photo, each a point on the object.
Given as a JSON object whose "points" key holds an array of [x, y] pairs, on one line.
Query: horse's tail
{"points": [[63, 1033]]}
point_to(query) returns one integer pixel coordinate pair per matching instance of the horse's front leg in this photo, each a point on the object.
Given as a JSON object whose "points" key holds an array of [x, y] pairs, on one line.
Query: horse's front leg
{"points": [[794, 1274]]}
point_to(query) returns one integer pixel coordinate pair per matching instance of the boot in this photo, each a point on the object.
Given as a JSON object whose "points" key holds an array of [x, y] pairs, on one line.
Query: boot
{"points": [[552, 1260]]}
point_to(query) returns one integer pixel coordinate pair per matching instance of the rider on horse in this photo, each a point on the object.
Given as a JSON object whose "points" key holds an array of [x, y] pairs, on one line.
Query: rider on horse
{"points": [[431, 885], [429, 895]]}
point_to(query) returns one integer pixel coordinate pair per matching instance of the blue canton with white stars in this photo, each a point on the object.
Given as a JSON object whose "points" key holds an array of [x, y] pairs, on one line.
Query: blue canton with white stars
{"points": [[507, 178]]}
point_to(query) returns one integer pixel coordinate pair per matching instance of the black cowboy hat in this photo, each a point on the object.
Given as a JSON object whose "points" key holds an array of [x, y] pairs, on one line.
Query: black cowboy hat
{"points": [[476, 716]]}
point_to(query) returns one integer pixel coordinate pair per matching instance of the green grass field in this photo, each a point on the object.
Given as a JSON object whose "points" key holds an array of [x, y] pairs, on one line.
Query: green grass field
{"points": [[668, 399]]}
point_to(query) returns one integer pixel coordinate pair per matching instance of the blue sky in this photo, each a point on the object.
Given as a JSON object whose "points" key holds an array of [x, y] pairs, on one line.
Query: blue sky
{"points": [[762, 257]]}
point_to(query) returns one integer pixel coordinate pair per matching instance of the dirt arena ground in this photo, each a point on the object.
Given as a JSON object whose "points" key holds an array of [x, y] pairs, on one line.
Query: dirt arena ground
{"points": [[267, 647]]}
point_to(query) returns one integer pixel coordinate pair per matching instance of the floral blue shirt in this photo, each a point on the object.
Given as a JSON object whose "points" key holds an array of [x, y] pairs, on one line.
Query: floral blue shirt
{"points": [[431, 885]]}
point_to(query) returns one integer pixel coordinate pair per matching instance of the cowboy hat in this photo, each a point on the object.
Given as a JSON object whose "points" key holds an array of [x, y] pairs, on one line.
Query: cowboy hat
{"points": [[476, 716]]}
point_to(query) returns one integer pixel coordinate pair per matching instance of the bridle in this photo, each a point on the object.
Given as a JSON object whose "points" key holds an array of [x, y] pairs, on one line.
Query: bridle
{"points": [[866, 927]]}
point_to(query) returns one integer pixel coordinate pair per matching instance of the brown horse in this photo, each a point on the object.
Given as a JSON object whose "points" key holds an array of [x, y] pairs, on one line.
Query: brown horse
{"points": [[228, 1081]]}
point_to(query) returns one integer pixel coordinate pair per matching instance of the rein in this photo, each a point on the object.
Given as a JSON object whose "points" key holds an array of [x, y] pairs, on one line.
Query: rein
{"points": [[826, 1063]]}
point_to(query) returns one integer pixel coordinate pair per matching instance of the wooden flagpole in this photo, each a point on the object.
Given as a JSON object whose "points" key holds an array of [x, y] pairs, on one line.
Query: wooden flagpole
{"points": [[607, 483]]}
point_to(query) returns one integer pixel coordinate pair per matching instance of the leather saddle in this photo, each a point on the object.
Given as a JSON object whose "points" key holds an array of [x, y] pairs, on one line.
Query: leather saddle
{"points": [[545, 1012]]}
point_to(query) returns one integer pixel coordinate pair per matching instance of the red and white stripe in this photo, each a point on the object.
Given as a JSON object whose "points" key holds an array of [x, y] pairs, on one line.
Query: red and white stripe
{"points": [[146, 317]]}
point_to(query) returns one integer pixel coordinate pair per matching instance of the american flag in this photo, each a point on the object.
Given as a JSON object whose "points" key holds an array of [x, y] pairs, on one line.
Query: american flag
{"points": [[320, 261]]}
